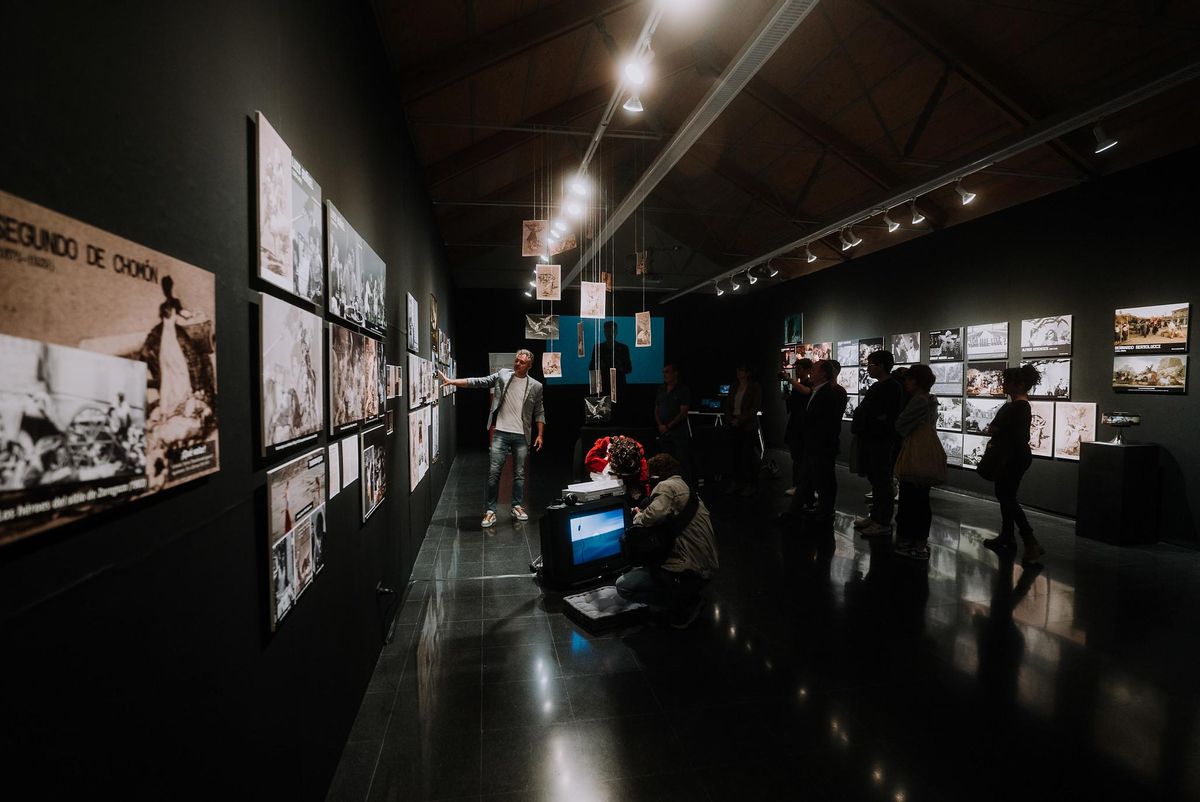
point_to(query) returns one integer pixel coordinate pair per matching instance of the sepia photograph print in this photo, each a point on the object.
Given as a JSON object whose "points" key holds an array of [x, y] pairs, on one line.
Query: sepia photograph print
{"points": [[416, 370], [848, 379], [434, 435], [793, 329], [295, 493], [414, 322], [787, 357], [579, 339], [950, 414], [418, 449], [973, 447], [374, 469], [867, 347], [1161, 329], [851, 405], [944, 345], [952, 444], [566, 242], [986, 379], [374, 381], [847, 353], [549, 282], [1046, 336], [133, 310], [816, 351], [1055, 381], [541, 327], [906, 348], [348, 373], [433, 315], [591, 299], [552, 364], [1074, 425], [1150, 374], [978, 414], [292, 374], [642, 336], [947, 378], [1041, 428], [987, 341], [533, 237]]}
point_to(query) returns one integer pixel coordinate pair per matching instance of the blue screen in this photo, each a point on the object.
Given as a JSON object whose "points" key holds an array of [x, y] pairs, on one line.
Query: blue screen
{"points": [[596, 535], [647, 362]]}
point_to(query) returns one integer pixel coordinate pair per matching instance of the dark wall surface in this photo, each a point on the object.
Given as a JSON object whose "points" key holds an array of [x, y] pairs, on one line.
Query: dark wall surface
{"points": [[138, 657], [1115, 242]]}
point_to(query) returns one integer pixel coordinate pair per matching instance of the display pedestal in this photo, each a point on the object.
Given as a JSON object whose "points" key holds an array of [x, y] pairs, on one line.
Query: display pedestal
{"points": [[1119, 487]]}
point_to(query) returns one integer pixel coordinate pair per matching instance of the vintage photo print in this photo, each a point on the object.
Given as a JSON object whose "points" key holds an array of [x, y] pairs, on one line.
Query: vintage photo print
{"points": [[549, 282], [851, 405], [793, 329], [317, 519], [435, 430], [348, 372], [295, 493], [1046, 336], [848, 379], [283, 579], [416, 370], [1041, 428], [950, 414], [1074, 425], [552, 365], [947, 378], [944, 345], [868, 346], [973, 447], [591, 299], [433, 315], [986, 379], [1161, 329], [987, 341], [533, 237], [642, 336], [816, 351], [414, 323], [376, 381], [952, 444], [292, 374], [864, 379], [1150, 374], [566, 242], [391, 421], [1055, 381], [847, 353], [418, 448], [541, 327], [356, 274], [579, 339], [787, 357], [350, 457], [978, 414], [906, 348], [374, 469], [135, 311]]}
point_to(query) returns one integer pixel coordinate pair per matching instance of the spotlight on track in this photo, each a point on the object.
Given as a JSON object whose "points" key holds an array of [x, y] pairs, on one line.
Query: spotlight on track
{"points": [[890, 223], [850, 239], [1103, 140], [750, 275], [917, 217], [809, 256], [720, 291], [533, 284], [772, 270], [633, 105], [733, 285], [558, 227], [635, 72], [966, 196], [528, 294], [578, 186], [574, 208]]}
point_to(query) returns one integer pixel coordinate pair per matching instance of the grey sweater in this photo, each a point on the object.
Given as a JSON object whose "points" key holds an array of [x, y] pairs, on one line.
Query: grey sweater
{"points": [[921, 408]]}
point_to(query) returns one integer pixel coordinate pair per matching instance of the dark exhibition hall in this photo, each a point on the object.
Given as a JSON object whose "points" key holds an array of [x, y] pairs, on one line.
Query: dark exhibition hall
{"points": [[600, 400]]}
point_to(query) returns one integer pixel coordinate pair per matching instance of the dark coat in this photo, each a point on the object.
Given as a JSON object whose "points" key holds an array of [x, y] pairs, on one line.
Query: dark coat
{"points": [[822, 424]]}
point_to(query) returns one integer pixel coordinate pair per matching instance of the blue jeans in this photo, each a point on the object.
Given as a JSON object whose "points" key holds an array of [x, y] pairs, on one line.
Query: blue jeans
{"points": [[659, 588], [502, 444]]}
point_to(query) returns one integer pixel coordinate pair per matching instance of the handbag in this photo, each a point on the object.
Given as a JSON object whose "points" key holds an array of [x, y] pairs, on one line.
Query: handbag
{"points": [[992, 463], [597, 409], [922, 460]]}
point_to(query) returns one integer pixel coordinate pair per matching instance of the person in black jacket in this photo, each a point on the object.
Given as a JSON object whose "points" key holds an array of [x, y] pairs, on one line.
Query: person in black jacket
{"points": [[799, 389], [875, 429], [1009, 431], [821, 431]]}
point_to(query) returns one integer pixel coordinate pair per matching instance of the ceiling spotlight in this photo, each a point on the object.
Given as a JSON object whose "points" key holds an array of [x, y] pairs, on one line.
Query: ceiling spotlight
{"points": [[533, 284], [772, 270], [573, 208], [918, 218], [635, 72], [733, 285], [633, 105], [850, 239], [558, 226], [750, 275], [528, 294], [890, 223], [720, 291], [1103, 140], [578, 186], [809, 256], [967, 197]]}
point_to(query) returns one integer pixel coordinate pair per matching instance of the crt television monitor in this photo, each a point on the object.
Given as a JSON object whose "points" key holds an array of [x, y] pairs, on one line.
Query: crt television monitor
{"points": [[583, 541]]}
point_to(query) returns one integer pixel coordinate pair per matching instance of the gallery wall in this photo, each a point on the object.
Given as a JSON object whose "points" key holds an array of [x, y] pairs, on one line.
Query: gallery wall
{"points": [[139, 656], [1085, 251]]}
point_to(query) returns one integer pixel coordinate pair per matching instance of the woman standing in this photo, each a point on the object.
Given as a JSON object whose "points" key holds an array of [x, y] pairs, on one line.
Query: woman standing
{"points": [[914, 516], [1009, 431]]}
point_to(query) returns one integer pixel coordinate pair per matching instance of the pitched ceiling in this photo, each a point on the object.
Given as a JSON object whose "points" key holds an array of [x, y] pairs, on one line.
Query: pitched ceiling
{"points": [[867, 96]]}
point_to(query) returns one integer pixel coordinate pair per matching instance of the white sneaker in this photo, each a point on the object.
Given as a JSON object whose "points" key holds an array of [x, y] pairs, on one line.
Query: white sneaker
{"points": [[875, 529], [519, 514], [489, 519], [791, 491], [861, 521]]}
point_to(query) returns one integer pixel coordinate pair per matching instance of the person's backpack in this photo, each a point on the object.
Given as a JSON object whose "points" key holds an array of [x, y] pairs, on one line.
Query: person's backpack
{"points": [[651, 545]]}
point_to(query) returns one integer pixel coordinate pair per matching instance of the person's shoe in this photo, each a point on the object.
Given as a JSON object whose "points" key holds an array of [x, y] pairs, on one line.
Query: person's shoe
{"points": [[489, 519], [1033, 553], [791, 491], [913, 550], [875, 529], [999, 543], [687, 615], [861, 521], [519, 514]]}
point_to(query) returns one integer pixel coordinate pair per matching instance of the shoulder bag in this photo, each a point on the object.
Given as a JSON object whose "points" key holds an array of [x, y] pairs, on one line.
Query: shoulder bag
{"points": [[922, 460]]}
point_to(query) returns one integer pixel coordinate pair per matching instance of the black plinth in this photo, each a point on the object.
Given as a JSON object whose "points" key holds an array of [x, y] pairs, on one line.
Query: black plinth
{"points": [[1119, 487]]}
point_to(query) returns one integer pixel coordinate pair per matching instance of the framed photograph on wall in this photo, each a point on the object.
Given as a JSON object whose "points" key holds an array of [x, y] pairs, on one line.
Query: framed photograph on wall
{"points": [[1055, 381], [1046, 336], [851, 405], [848, 379], [1150, 374], [868, 346], [944, 345], [986, 379], [816, 351], [978, 414], [349, 377], [1161, 329], [291, 374], [950, 414], [1041, 429], [947, 378], [987, 341], [374, 469], [906, 348], [295, 492], [414, 324], [793, 329], [1074, 424], [847, 353], [952, 444], [973, 447]]}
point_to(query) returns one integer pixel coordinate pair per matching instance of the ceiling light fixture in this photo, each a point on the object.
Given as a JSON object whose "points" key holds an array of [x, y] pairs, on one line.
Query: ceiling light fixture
{"points": [[917, 217], [533, 284], [889, 222], [850, 239], [578, 186], [1103, 140], [720, 291], [635, 72], [574, 208], [772, 270], [809, 256], [750, 275], [633, 105], [966, 196], [733, 285], [528, 294], [558, 226]]}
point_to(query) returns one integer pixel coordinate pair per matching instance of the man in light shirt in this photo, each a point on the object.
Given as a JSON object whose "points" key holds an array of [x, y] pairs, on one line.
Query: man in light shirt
{"points": [[516, 405]]}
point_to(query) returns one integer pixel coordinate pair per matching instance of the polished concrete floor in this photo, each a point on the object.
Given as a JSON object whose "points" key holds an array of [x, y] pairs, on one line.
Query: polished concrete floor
{"points": [[824, 668]]}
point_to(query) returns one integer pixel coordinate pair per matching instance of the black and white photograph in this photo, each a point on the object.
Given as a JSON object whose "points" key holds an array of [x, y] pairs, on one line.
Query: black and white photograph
{"points": [[787, 357], [950, 413], [816, 351], [418, 448], [868, 346], [944, 345], [947, 378], [317, 519], [906, 348], [851, 405], [295, 493], [149, 309], [1041, 428], [1150, 374], [434, 435], [985, 379], [952, 444], [292, 374], [848, 379], [376, 367], [973, 447], [356, 274], [375, 278], [1161, 329], [414, 323], [847, 353], [1055, 381], [549, 282], [978, 414], [283, 579], [416, 390], [374, 469], [864, 379], [1046, 336], [349, 387], [1074, 425], [433, 315], [533, 237], [987, 341], [552, 365], [793, 329], [591, 300], [302, 544], [642, 337]]}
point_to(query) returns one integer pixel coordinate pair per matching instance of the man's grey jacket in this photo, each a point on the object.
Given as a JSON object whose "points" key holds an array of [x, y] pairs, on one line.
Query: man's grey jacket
{"points": [[531, 407]]}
